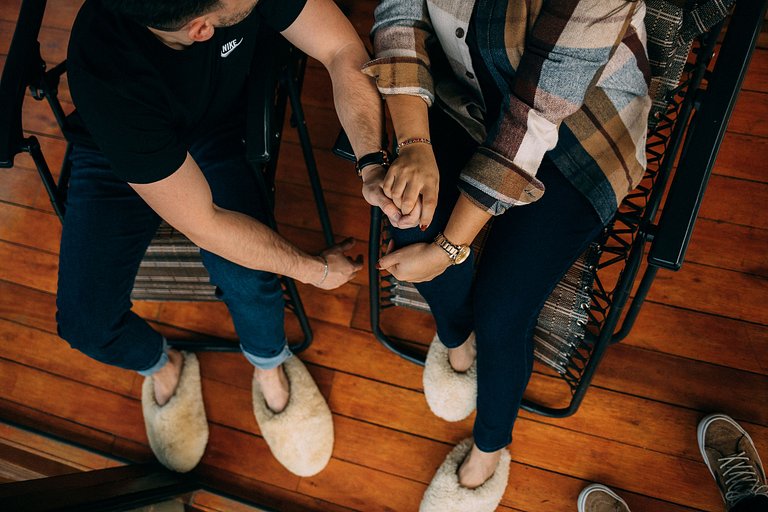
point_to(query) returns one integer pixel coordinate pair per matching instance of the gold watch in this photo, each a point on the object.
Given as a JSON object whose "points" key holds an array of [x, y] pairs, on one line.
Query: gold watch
{"points": [[457, 253]]}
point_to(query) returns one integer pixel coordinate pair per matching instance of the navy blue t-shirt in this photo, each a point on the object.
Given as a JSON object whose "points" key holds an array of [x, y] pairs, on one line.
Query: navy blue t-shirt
{"points": [[144, 103]]}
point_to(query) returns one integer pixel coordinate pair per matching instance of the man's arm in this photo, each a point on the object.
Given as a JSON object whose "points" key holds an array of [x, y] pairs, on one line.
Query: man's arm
{"points": [[184, 200], [324, 33]]}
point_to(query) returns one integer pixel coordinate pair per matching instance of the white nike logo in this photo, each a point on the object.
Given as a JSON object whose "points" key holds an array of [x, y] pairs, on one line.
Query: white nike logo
{"points": [[229, 47]]}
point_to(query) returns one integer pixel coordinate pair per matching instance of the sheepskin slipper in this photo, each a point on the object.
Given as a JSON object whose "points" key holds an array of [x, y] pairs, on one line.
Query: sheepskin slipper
{"points": [[451, 395], [445, 494], [301, 435], [177, 431]]}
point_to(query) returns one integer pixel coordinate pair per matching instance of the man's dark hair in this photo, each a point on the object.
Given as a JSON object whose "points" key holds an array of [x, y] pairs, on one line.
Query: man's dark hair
{"points": [[168, 15]]}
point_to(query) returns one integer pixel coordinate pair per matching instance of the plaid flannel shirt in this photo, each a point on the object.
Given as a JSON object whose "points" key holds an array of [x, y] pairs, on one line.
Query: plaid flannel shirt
{"points": [[573, 77]]}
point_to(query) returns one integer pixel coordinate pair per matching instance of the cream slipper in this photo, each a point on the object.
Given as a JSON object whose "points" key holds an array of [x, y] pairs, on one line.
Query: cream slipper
{"points": [[177, 431], [445, 494], [301, 436], [451, 395]]}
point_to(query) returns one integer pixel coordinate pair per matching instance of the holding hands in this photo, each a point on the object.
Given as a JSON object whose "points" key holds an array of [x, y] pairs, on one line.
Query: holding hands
{"points": [[407, 194]]}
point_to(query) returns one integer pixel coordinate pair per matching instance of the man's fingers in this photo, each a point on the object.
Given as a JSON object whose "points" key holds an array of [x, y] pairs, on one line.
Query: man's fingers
{"points": [[347, 244], [391, 211], [390, 247]]}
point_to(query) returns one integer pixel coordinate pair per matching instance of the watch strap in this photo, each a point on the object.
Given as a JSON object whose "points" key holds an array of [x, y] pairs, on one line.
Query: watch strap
{"points": [[380, 157], [451, 249]]}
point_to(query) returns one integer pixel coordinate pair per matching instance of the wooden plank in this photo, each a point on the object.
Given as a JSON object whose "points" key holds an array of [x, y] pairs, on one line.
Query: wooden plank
{"points": [[749, 114], [53, 449], [43, 420], [701, 337], [737, 157], [48, 352], [18, 464], [72, 400], [30, 228], [700, 386], [712, 290], [264, 493]]}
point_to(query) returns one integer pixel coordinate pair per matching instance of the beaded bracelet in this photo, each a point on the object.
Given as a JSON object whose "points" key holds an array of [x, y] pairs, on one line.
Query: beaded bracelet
{"points": [[413, 140]]}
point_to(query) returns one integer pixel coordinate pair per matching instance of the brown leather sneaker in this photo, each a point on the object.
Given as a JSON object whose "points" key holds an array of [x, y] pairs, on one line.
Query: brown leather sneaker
{"points": [[732, 459], [599, 498]]}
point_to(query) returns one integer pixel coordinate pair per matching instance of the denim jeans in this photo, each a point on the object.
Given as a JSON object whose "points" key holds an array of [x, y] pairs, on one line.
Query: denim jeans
{"points": [[528, 250], [108, 227]]}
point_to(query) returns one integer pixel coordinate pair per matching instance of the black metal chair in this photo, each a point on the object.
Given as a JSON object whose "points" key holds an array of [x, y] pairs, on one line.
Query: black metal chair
{"points": [[172, 269], [583, 316]]}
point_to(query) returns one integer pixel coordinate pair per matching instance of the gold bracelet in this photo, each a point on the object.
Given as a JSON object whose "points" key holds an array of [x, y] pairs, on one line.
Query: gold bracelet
{"points": [[413, 140]]}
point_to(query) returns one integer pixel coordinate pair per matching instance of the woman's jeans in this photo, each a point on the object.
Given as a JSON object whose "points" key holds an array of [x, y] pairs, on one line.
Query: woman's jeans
{"points": [[108, 227], [528, 250]]}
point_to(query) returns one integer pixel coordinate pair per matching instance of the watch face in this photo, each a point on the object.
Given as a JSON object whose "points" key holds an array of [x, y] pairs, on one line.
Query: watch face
{"points": [[463, 254]]}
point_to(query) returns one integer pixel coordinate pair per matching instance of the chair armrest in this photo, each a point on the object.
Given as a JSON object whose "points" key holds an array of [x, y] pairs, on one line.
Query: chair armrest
{"points": [[705, 135], [22, 65]]}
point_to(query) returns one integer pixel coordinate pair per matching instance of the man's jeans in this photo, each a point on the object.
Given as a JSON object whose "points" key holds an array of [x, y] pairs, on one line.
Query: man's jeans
{"points": [[108, 227]]}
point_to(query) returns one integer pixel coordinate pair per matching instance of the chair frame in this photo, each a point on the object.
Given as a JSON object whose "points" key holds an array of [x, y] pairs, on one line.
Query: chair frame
{"points": [[278, 83], [693, 128]]}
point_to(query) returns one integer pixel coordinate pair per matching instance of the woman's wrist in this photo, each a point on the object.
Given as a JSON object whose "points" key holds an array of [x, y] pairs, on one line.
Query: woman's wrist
{"points": [[466, 221]]}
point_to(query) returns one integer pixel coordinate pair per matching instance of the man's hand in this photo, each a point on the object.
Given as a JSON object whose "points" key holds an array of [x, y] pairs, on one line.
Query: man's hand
{"points": [[413, 178], [373, 177], [416, 263], [341, 268]]}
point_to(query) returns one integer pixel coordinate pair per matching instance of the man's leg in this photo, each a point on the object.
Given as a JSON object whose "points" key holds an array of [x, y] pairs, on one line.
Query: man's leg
{"points": [[292, 415], [732, 458], [254, 298], [107, 228]]}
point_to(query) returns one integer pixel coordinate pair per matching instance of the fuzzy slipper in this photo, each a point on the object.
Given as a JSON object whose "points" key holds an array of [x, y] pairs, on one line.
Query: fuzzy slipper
{"points": [[451, 395], [444, 493], [301, 436], [177, 431]]}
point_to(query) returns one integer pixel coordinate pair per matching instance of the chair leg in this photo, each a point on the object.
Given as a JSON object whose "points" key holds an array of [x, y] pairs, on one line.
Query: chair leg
{"points": [[309, 158], [396, 345]]}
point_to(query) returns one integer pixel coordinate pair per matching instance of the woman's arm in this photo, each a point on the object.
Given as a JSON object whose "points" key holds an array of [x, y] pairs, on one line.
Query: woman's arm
{"points": [[413, 179]]}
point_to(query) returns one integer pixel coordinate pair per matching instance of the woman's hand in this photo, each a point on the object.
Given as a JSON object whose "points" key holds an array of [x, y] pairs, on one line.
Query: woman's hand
{"points": [[416, 263], [413, 179], [373, 177]]}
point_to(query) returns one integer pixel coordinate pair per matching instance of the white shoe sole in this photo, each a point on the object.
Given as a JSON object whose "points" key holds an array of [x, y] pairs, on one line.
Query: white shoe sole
{"points": [[597, 487]]}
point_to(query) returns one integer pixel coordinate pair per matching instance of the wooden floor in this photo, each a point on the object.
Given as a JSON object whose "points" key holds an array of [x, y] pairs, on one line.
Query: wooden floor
{"points": [[700, 344]]}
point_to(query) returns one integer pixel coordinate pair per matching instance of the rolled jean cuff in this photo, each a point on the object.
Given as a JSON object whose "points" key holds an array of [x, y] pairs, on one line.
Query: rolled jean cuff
{"points": [[267, 363], [160, 362]]}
